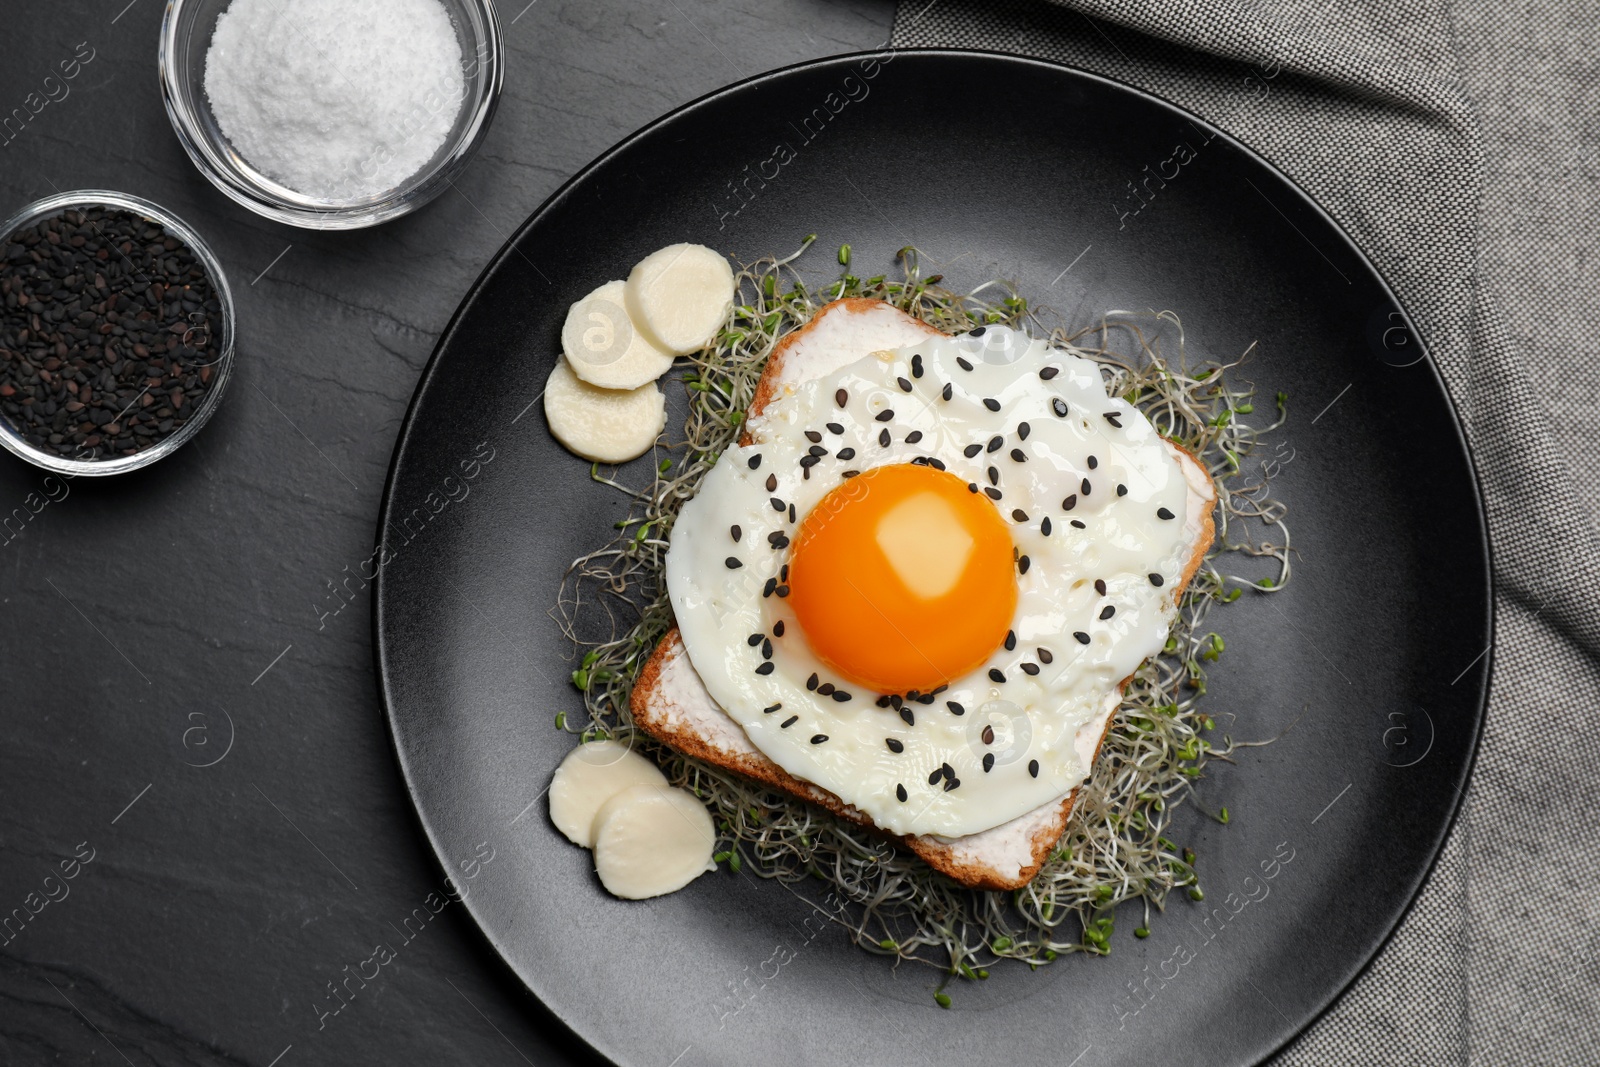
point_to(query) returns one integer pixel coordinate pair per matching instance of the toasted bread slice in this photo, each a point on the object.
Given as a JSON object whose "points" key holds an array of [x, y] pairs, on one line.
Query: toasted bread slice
{"points": [[671, 704]]}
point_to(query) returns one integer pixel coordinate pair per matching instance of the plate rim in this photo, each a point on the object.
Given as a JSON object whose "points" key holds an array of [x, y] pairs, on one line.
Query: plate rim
{"points": [[579, 1044]]}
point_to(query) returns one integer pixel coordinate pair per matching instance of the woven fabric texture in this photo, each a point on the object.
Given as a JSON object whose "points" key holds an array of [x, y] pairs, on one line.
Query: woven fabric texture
{"points": [[1459, 145]]}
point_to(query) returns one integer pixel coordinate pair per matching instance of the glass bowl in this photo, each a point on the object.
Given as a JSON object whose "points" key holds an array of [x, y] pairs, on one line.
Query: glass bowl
{"points": [[220, 357], [185, 39]]}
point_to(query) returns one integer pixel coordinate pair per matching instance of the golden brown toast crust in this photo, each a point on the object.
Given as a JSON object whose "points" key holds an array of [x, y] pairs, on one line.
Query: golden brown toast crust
{"points": [[939, 854]]}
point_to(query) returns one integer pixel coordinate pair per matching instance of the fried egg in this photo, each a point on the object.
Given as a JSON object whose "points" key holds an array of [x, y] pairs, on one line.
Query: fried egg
{"points": [[922, 581]]}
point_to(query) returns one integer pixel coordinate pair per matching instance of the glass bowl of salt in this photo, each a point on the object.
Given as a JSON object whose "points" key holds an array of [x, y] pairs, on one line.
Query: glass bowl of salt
{"points": [[331, 114]]}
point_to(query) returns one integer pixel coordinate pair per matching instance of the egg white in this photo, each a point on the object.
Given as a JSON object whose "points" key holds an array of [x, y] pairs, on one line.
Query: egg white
{"points": [[1036, 719]]}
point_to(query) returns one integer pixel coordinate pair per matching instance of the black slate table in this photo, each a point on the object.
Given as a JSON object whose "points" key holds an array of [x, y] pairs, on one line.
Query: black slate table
{"points": [[188, 710]]}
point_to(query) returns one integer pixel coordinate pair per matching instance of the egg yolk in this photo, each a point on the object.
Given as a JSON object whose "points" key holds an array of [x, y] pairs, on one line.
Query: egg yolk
{"points": [[903, 578]]}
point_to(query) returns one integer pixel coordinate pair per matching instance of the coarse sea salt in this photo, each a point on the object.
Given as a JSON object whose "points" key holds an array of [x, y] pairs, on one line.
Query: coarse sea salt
{"points": [[335, 99]]}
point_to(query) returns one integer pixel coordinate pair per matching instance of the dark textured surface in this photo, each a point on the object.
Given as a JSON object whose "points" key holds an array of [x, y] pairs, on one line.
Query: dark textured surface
{"points": [[137, 616], [1338, 664]]}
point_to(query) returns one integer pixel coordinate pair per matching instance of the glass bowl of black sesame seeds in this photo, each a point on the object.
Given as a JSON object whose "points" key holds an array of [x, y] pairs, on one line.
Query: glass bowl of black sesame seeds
{"points": [[116, 333]]}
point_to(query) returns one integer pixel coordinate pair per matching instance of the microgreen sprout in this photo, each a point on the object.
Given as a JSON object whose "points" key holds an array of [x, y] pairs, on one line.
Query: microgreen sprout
{"points": [[1117, 847]]}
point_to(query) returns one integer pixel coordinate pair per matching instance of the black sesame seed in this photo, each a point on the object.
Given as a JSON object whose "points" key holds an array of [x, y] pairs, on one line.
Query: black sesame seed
{"points": [[948, 391], [978, 332], [766, 590], [908, 715], [993, 494], [783, 576], [811, 682], [925, 698], [895, 744], [933, 779], [971, 450], [813, 436], [988, 735], [1049, 372], [883, 438], [1023, 563], [805, 471], [754, 461], [1083, 638], [994, 476], [1033, 767], [991, 403], [885, 415], [849, 474], [963, 364], [988, 762], [766, 648], [972, 487], [807, 462], [777, 627], [1030, 669], [735, 532], [1058, 406], [1011, 640], [840, 696], [755, 639], [777, 505], [1044, 526], [1114, 419], [733, 563], [1045, 655], [896, 700], [825, 689], [916, 365], [1019, 455], [790, 721], [900, 793], [1094, 461], [772, 482], [1019, 515], [1163, 513], [904, 384], [1108, 611], [995, 675], [1079, 525], [1156, 579], [1100, 586], [791, 512], [1122, 490], [782, 591], [940, 688], [817, 739], [817, 450], [913, 437], [947, 770], [766, 668], [841, 398], [955, 709], [773, 708], [1070, 502], [834, 428], [1023, 429], [1085, 487], [846, 453], [951, 784]]}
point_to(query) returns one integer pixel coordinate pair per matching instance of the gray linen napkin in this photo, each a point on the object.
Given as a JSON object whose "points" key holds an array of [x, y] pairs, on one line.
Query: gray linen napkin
{"points": [[1457, 143]]}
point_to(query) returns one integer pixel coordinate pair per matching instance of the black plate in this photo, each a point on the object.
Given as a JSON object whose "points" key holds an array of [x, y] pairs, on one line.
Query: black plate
{"points": [[994, 165]]}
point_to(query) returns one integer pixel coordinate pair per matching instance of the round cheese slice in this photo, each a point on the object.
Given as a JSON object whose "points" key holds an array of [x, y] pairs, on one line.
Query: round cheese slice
{"points": [[603, 347], [590, 775], [606, 425], [651, 840], [681, 295]]}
